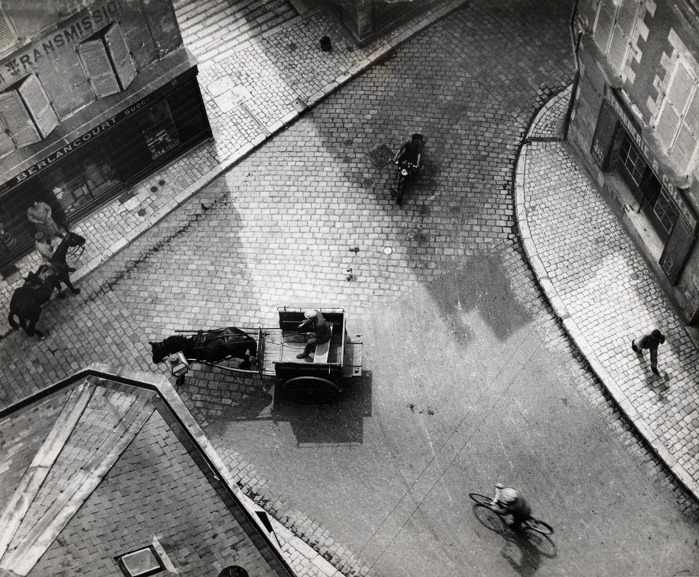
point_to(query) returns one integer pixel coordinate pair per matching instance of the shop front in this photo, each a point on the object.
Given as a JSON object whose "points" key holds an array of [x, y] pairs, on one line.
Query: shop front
{"points": [[640, 182], [90, 169]]}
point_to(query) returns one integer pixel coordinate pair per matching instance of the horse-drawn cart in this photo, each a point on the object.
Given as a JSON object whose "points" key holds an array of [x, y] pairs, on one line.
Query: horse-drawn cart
{"points": [[272, 352]]}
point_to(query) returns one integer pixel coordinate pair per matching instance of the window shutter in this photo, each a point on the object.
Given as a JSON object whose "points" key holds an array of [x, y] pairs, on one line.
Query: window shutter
{"points": [[688, 136], [604, 23], [17, 119], [121, 57], [6, 144], [38, 104], [621, 36], [7, 33], [98, 67], [676, 98]]}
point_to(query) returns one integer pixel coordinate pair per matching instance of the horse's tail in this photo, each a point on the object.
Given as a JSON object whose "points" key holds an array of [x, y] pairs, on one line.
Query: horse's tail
{"points": [[11, 319]]}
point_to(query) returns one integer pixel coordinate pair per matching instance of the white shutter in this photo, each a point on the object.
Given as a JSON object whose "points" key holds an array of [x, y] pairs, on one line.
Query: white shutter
{"points": [[6, 144], [604, 24], [98, 67], [621, 36], [687, 137], [674, 104], [666, 127], [121, 57], [38, 104], [17, 119], [8, 38]]}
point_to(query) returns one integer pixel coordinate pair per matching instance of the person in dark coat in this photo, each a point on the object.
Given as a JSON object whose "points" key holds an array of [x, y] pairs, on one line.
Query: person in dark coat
{"points": [[651, 342], [315, 322]]}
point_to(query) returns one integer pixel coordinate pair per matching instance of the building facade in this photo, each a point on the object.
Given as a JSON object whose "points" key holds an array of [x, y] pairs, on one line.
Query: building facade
{"points": [[635, 123], [366, 19], [94, 95]]}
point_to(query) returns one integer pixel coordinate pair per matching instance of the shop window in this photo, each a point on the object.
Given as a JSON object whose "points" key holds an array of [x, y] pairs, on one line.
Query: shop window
{"points": [[107, 61], [26, 112], [677, 125], [613, 31], [631, 160], [94, 180], [140, 563], [158, 129], [665, 211]]}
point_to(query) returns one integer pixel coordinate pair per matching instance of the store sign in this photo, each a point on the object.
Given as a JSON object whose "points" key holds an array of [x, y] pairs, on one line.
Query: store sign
{"points": [[78, 142], [635, 134], [46, 49]]}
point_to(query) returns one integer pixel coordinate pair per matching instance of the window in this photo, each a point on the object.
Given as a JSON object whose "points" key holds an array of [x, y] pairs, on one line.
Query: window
{"points": [[26, 112], [665, 211], [615, 24], [158, 129], [632, 161], [677, 124], [140, 563], [107, 61]]}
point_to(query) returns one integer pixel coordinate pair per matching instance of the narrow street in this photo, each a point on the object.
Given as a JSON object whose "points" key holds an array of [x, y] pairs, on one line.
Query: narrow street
{"points": [[468, 378]]}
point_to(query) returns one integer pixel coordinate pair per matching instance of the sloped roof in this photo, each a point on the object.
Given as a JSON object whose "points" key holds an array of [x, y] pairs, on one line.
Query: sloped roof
{"points": [[101, 466]]}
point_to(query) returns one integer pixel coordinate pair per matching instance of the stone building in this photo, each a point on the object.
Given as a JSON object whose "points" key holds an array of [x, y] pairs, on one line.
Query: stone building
{"points": [[635, 123], [366, 19], [109, 476], [94, 95]]}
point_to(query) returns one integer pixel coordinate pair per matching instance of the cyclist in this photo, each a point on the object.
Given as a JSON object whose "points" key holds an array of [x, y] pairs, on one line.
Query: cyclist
{"points": [[513, 503]]}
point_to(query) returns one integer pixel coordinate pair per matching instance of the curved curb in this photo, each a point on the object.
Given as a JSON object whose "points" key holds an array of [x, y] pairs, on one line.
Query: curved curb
{"points": [[569, 324]]}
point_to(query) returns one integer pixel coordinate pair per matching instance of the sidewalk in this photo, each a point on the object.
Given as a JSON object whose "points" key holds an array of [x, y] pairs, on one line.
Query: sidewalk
{"points": [[601, 288], [251, 92]]}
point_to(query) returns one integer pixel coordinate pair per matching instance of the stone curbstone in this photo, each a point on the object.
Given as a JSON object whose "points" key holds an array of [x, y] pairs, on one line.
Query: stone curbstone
{"points": [[569, 325]]}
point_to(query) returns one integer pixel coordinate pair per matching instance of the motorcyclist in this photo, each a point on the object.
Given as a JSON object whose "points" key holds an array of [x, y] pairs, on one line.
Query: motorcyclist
{"points": [[410, 153], [513, 503]]}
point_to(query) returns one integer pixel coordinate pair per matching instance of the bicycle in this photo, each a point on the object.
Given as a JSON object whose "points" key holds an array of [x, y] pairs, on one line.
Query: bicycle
{"points": [[486, 503]]}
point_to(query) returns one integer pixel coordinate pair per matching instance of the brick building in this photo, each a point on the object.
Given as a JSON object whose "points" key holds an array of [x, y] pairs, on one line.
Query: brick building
{"points": [[109, 476], [635, 123], [94, 95]]}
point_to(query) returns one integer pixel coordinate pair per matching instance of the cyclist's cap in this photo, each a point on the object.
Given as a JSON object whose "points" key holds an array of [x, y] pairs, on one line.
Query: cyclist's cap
{"points": [[508, 495]]}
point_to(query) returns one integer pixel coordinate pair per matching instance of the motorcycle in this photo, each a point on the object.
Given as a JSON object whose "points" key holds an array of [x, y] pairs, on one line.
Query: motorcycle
{"points": [[406, 169]]}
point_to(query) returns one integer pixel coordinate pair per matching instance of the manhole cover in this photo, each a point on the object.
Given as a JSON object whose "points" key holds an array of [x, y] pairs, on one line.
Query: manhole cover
{"points": [[381, 156]]}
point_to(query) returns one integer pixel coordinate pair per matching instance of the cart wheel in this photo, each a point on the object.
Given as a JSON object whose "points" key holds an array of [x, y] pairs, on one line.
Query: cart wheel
{"points": [[310, 389]]}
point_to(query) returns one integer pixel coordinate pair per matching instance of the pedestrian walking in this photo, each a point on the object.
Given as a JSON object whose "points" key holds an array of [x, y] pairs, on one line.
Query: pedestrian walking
{"points": [[651, 342]]}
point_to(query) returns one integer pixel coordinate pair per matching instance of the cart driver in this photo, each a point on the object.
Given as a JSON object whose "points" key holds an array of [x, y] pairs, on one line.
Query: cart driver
{"points": [[315, 322]]}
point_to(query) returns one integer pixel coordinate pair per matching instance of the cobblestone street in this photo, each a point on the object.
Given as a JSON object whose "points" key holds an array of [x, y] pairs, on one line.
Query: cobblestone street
{"points": [[469, 378]]}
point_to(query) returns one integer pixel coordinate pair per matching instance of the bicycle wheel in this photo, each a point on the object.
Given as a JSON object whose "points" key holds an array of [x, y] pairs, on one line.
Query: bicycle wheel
{"points": [[489, 518], [539, 526], [481, 499]]}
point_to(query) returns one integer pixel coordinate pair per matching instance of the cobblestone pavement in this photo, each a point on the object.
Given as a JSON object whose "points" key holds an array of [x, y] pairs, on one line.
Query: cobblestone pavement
{"points": [[468, 376], [253, 84], [606, 295]]}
